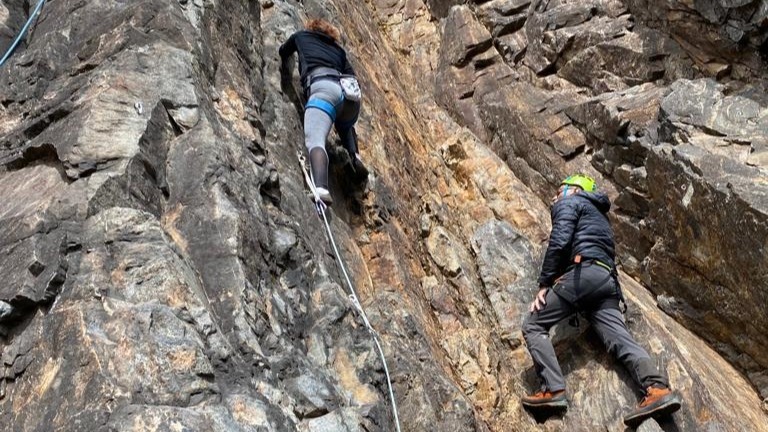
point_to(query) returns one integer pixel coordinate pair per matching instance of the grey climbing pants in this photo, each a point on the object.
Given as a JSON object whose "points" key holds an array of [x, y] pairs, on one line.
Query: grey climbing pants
{"points": [[326, 106], [594, 292]]}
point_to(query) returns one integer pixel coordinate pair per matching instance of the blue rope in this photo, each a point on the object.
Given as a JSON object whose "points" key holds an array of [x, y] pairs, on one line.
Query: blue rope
{"points": [[21, 33]]}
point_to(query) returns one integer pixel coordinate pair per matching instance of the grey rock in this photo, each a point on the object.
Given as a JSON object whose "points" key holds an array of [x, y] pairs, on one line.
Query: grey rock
{"points": [[711, 28], [440, 8], [507, 269], [343, 420], [513, 46], [316, 397], [425, 225], [622, 174], [185, 117], [6, 311], [638, 178], [633, 202], [284, 240], [469, 67], [441, 249], [649, 426], [711, 192], [504, 17], [699, 112], [527, 131], [38, 267]]}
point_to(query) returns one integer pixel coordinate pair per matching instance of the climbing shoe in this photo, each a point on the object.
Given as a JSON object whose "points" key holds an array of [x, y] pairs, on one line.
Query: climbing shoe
{"points": [[546, 399], [657, 402], [325, 195]]}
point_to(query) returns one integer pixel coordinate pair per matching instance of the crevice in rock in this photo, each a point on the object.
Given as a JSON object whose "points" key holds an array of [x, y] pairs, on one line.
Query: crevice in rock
{"points": [[84, 68], [270, 188], [168, 106], [550, 69], [16, 318], [471, 52], [578, 151], [86, 169], [484, 63], [38, 127], [45, 153], [143, 184]]}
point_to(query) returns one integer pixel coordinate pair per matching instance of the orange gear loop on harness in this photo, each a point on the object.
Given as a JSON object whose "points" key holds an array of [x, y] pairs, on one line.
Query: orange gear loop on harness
{"points": [[578, 259]]}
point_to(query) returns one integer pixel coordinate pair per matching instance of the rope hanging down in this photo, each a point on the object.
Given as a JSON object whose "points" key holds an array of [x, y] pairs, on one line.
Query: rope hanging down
{"points": [[321, 207], [21, 33]]}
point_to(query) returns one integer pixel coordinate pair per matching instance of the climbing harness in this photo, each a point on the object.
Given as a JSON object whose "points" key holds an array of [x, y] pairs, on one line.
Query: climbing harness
{"points": [[321, 207], [21, 33], [578, 260]]}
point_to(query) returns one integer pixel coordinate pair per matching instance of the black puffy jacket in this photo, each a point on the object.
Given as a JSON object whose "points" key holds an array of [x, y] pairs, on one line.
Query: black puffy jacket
{"points": [[580, 226], [315, 49]]}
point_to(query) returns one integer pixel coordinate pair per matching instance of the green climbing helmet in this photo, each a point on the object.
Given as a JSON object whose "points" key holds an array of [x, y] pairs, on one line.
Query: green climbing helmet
{"points": [[585, 182]]}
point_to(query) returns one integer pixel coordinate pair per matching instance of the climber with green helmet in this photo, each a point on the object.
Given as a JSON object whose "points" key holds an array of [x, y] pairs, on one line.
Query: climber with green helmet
{"points": [[579, 275]]}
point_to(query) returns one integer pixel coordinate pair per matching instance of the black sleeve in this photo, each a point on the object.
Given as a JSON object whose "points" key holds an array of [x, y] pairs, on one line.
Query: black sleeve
{"points": [[565, 215], [347, 66], [288, 48]]}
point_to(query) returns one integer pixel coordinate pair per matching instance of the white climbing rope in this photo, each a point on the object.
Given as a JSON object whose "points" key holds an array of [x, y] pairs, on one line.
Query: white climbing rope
{"points": [[321, 207], [21, 33]]}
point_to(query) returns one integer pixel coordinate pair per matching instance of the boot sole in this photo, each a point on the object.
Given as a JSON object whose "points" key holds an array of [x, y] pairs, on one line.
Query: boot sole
{"points": [[558, 404], [312, 198], [663, 407]]}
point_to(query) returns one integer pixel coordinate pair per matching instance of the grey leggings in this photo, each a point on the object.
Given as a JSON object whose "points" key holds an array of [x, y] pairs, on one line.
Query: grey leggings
{"points": [[326, 106]]}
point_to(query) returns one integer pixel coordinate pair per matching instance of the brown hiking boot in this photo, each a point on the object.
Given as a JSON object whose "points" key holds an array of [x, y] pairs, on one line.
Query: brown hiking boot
{"points": [[657, 402], [546, 399]]}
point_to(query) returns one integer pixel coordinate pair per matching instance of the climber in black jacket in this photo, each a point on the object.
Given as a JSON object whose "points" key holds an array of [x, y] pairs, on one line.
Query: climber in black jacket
{"points": [[322, 65], [579, 275]]}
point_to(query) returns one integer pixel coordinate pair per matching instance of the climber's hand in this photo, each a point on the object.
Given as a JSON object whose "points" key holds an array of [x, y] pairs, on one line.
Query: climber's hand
{"points": [[540, 301]]}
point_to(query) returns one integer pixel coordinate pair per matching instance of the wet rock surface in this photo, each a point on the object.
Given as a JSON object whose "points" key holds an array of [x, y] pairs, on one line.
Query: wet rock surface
{"points": [[163, 268]]}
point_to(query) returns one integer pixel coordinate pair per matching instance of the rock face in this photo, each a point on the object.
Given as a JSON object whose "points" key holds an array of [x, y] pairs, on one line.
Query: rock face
{"points": [[164, 269], [618, 90]]}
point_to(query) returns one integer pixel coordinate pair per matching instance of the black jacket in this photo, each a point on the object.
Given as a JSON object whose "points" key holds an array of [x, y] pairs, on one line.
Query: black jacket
{"points": [[580, 226], [315, 49]]}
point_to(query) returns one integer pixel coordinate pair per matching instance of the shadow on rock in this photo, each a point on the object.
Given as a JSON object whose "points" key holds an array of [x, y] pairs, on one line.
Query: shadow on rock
{"points": [[15, 318], [664, 423], [346, 183], [541, 415]]}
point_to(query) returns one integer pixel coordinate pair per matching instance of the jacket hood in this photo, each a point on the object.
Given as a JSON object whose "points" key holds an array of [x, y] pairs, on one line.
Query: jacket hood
{"points": [[598, 199]]}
